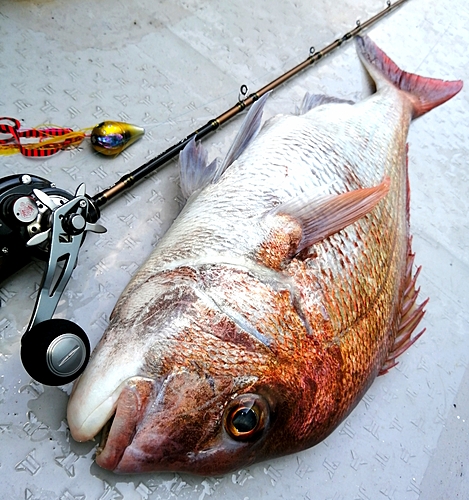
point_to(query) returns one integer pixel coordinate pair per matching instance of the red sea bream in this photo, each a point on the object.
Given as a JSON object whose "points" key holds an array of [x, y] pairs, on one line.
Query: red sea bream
{"points": [[281, 291]]}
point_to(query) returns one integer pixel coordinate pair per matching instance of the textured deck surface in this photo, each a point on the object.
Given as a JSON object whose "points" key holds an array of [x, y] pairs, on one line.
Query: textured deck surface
{"points": [[169, 66]]}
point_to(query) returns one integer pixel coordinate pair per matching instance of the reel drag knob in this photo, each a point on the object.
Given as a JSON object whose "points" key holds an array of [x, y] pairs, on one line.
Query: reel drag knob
{"points": [[74, 223], [55, 351]]}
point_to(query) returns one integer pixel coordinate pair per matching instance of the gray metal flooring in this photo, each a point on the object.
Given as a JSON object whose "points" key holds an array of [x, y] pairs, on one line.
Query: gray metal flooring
{"points": [[170, 66]]}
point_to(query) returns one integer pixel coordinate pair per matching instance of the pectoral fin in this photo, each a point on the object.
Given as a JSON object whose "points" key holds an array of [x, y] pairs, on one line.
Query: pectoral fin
{"points": [[194, 170], [324, 216]]}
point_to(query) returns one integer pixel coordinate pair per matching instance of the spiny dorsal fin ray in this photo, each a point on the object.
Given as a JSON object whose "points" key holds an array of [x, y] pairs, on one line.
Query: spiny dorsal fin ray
{"points": [[321, 217], [246, 134], [411, 314], [311, 101]]}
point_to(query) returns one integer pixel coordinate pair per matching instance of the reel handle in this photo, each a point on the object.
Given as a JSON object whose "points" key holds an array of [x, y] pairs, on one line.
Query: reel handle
{"points": [[39, 220]]}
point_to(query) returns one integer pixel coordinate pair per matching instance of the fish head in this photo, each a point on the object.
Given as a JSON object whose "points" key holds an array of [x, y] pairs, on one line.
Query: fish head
{"points": [[188, 388], [190, 422]]}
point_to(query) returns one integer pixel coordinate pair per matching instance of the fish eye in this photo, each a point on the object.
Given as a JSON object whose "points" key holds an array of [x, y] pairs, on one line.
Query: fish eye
{"points": [[246, 416]]}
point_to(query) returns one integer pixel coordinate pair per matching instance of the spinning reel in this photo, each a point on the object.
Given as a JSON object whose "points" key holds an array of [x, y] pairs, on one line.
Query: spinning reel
{"points": [[39, 220]]}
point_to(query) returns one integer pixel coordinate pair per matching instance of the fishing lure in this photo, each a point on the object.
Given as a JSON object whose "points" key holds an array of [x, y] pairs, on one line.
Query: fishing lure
{"points": [[109, 138]]}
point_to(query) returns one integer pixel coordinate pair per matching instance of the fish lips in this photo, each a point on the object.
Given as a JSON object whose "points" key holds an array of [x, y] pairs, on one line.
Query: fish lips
{"points": [[117, 434]]}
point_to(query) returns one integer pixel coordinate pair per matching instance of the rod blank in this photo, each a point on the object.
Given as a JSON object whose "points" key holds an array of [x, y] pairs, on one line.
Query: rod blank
{"points": [[157, 162]]}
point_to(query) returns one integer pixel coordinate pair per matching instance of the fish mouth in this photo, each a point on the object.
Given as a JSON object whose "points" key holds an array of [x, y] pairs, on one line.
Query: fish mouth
{"points": [[104, 435], [118, 431], [109, 457]]}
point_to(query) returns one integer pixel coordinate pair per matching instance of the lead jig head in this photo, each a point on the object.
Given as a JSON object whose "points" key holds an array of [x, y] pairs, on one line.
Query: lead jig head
{"points": [[111, 138]]}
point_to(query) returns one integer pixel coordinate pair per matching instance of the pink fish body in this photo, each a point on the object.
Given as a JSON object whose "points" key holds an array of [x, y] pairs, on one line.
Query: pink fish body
{"points": [[280, 292]]}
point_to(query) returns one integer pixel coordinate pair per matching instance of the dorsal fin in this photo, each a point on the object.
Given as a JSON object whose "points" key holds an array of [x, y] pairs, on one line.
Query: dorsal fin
{"points": [[246, 134], [411, 314]]}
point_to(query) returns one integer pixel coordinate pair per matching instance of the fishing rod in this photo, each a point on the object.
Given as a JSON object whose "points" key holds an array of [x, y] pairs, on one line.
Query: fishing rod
{"points": [[38, 219], [154, 164]]}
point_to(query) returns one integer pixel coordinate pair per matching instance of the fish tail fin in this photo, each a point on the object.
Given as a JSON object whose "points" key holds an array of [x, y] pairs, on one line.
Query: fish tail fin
{"points": [[423, 93]]}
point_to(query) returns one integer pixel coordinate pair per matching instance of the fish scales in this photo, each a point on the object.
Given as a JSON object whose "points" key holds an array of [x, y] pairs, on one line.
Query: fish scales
{"points": [[280, 292]]}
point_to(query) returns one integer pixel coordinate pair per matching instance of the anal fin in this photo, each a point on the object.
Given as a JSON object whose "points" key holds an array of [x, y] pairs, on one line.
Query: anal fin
{"points": [[411, 314]]}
